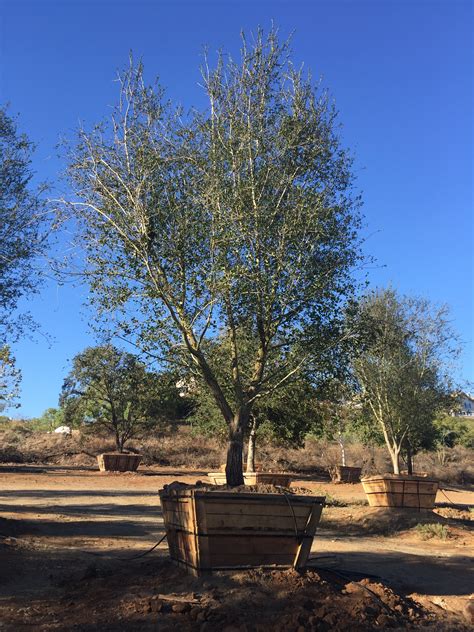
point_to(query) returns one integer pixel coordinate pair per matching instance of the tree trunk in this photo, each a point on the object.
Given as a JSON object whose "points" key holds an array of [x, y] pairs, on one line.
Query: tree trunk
{"points": [[251, 446], [395, 456], [340, 440], [118, 441], [409, 460], [234, 465]]}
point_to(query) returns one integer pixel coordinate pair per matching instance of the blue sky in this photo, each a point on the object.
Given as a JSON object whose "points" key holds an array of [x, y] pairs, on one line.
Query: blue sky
{"points": [[400, 71]]}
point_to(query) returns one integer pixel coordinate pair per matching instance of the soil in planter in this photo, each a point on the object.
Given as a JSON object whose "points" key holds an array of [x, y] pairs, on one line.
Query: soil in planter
{"points": [[260, 488]]}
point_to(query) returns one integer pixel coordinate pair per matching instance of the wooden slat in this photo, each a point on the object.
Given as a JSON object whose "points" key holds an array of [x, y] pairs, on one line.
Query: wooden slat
{"points": [[269, 559], [252, 545], [305, 547], [282, 523], [250, 509]]}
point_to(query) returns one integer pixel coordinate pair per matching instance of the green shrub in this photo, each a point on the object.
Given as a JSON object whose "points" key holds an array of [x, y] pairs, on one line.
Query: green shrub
{"points": [[433, 530]]}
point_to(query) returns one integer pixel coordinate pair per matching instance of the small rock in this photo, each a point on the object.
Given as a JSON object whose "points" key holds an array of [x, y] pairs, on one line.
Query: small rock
{"points": [[468, 611], [194, 612], [201, 616], [352, 587], [180, 608], [383, 621], [331, 618], [156, 605], [371, 611]]}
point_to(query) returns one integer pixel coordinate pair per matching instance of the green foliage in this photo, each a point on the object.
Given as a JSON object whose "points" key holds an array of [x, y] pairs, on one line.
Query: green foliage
{"points": [[402, 370], [50, 419], [10, 378], [113, 390], [452, 431], [284, 416], [22, 225], [239, 219], [434, 530]]}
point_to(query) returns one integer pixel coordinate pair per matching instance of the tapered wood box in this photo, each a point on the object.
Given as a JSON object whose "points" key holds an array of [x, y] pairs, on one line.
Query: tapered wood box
{"points": [[118, 462], [254, 478], [400, 491], [345, 474], [218, 530]]}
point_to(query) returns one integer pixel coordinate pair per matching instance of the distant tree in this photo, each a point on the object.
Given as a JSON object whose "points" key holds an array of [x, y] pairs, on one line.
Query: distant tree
{"points": [[337, 412], [112, 390], [10, 378], [241, 219], [452, 431], [50, 419], [23, 226], [403, 371]]}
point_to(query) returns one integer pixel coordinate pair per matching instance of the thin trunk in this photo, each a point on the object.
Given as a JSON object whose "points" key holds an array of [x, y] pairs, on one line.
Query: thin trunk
{"points": [[395, 456], [234, 464], [409, 459], [340, 440], [120, 443], [118, 438], [393, 449], [251, 446]]}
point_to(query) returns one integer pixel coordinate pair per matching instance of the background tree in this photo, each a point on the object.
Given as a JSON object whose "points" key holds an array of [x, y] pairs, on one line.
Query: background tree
{"points": [[51, 419], [240, 219], [9, 378], [113, 390], [337, 412], [23, 226], [403, 371]]}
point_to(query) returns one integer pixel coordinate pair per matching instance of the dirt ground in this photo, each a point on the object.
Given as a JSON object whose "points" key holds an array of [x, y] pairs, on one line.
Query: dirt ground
{"points": [[67, 536]]}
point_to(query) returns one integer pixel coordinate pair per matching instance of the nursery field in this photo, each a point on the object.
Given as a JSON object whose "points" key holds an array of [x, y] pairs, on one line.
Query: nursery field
{"points": [[68, 533]]}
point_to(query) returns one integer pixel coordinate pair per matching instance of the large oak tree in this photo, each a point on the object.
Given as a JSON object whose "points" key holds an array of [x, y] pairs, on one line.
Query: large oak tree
{"points": [[241, 218]]}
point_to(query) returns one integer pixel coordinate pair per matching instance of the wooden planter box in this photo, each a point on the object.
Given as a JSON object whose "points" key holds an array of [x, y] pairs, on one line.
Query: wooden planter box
{"points": [[345, 474], [218, 530], [117, 462], [254, 478], [408, 492]]}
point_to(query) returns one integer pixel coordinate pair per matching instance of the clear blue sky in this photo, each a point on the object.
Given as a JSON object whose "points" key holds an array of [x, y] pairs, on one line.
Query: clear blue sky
{"points": [[401, 73]]}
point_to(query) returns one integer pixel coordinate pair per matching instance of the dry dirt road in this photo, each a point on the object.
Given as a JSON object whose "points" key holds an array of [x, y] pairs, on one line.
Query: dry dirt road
{"points": [[60, 526]]}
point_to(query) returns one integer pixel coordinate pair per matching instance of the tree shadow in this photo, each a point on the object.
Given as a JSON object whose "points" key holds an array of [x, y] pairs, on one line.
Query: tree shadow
{"points": [[404, 572], [48, 493], [71, 588], [381, 521], [143, 511]]}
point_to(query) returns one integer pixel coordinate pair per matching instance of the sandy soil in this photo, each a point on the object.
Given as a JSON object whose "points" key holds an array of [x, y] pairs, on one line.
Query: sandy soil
{"points": [[66, 536]]}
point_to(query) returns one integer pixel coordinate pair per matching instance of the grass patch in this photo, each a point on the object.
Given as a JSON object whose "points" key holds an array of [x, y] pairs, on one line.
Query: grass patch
{"points": [[434, 530], [331, 501], [361, 502]]}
